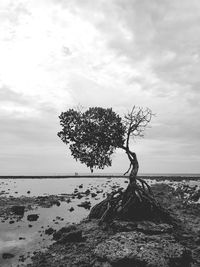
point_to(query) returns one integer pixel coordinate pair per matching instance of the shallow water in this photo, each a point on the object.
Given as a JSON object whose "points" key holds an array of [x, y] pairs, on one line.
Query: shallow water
{"points": [[41, 187], [19, 238]]}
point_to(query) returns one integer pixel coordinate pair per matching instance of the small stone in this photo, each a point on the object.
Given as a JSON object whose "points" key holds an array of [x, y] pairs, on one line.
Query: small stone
{"points": [[49, 231], [22, 238], [87, 192], [79, 196], [32, 217], [71, 209], [18, 210], [85, 204], [56, 202], [7, 255], [93, 194]]}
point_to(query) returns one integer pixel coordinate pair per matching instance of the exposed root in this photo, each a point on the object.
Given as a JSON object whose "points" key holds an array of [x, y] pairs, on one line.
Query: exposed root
{"points": [[135, 203]]}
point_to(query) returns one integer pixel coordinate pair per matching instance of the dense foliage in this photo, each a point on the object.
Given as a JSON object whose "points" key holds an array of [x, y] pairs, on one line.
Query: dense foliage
{"points": [[92, 135]]}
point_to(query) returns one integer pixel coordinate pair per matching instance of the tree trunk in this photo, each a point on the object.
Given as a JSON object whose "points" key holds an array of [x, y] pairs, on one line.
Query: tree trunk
{"points": [[134, 167], [135, 203]]}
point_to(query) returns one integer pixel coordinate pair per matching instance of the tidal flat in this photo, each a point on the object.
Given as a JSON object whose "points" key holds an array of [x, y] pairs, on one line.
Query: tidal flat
{"points": [[32, 211]]}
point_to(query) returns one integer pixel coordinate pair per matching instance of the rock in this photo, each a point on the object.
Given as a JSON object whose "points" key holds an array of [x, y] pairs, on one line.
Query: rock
{"points": [[22, 238], [7, 255], [18, 210], [79, 196], [28, 192], [57, 235], [151, 228], [71, 209], [32, 217], [137, 249], [93, 194], [56, 202], [11, 222], [73, 236], [85, 204], [195, 196], [87, 192], [22, 258], [146, 227], [49, 231], [81, 186]]}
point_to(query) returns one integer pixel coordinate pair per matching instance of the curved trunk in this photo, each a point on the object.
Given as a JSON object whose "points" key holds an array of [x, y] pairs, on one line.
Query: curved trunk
{"points": [[135, 203], [134, 166]]}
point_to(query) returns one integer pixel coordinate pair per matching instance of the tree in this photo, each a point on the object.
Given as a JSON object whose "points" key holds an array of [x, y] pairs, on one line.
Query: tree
{"points": [[92, 137]]}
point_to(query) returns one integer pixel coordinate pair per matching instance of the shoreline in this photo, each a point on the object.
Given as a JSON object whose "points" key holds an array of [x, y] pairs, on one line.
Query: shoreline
{"points": [[63, 210], [150, 177]]}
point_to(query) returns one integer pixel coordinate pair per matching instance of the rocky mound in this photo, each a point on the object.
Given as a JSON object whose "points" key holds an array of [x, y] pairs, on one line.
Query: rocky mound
{"points": [[144, 244]]}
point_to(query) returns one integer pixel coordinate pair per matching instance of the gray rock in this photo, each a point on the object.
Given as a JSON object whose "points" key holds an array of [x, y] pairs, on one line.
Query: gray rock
{"points": [[195, 196], [18, 210], [7, 256], [85, 204], [32, 217], [71, 209], [146, 227], [49, 231], [73, 236], [93, 194], [57, 235], [137, 249]]}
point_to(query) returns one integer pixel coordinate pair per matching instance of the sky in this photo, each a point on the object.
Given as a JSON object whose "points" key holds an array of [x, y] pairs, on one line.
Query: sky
{"points": [[57, 54]]}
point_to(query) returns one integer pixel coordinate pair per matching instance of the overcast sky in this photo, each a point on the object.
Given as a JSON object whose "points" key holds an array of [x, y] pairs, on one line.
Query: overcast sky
{"points": [[55, 54]]}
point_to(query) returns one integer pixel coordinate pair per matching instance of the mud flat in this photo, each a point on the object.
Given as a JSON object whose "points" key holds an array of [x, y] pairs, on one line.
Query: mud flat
{"points": [[46, 234]]}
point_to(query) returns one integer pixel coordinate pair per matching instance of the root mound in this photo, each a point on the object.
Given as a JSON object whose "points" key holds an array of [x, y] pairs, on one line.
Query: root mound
{"points": [[136, 203]]}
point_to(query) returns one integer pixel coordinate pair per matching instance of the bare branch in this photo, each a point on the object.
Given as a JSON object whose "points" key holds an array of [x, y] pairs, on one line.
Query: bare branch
{"points": [[136, 121]]}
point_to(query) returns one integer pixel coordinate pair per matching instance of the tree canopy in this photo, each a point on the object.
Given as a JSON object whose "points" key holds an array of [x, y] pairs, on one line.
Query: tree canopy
{"points": [[92, 135]]}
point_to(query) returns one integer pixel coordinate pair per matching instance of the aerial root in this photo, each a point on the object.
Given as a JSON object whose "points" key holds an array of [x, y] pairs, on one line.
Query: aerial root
{"points": [[135, 203]]}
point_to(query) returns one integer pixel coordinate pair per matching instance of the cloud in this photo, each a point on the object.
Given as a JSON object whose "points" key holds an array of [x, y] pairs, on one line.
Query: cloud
{"points": [[7, 95], [56, 54], [162, 34]]}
